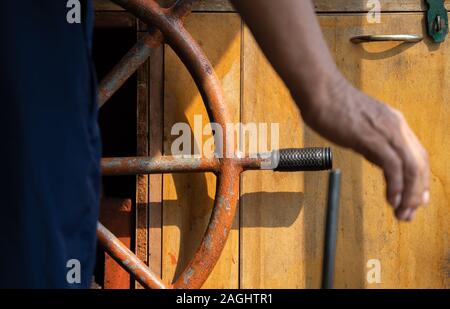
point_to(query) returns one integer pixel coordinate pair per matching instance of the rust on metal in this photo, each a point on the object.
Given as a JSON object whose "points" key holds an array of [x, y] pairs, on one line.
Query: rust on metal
{"points": [[128, 65], [116, 215], [158, 165], [168, 164], [127, 259]]}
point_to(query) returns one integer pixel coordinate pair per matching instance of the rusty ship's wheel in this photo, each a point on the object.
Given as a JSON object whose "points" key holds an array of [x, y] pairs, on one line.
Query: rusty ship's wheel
{"points": [[165, 25]]}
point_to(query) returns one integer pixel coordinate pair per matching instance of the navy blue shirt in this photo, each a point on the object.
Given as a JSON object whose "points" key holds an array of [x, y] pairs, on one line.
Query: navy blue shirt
{"points": [[50, 148]]}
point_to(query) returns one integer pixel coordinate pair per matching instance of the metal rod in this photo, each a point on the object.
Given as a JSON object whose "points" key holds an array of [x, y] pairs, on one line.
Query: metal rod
{"points": [[406, 38], [329, 252], [128, 65], [130, 262], [302, 159], [158, 165]]}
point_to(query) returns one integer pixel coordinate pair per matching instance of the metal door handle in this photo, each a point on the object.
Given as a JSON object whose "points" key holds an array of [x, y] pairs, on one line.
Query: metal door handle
{"points": [[407, 38]]}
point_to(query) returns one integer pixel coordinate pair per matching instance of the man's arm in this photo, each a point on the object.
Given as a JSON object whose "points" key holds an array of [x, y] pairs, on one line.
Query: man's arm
{"points": [[291, 38]]}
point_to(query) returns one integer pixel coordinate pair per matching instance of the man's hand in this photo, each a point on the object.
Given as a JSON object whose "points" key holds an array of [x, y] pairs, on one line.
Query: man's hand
{"points": [[349, 118], [290, 36]]}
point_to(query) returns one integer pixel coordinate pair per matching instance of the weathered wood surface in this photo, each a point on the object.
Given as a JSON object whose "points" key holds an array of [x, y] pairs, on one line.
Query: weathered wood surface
{"points": [[272, 204]]}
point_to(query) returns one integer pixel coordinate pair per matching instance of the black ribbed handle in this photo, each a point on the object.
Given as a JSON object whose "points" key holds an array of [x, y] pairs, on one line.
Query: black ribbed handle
{"points": [[304, 159]]}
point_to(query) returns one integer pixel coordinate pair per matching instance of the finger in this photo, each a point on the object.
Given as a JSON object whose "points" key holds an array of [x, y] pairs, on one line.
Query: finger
{"points": [[409, 151], [395, 129], [413, 189], [413, 167], [378, 151], [393, 174], [426, 169], [426, 198], [388, 122]]}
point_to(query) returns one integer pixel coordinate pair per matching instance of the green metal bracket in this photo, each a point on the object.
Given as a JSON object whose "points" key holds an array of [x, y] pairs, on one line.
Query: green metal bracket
{"points": [[437, 20]]}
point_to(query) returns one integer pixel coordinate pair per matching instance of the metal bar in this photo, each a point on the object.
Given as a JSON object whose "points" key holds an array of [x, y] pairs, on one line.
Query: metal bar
{"points": [[169, 164], [159, 165], [406, 38], [115, 213], [128, 65], [329, 252], [301, 159], [122, 255]]}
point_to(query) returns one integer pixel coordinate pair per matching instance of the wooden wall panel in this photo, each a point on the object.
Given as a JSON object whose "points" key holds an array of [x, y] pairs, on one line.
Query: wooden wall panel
{"points": [[272, 237], [188, 199]]}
